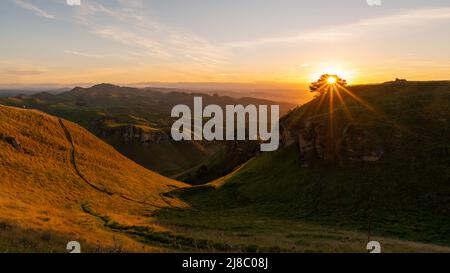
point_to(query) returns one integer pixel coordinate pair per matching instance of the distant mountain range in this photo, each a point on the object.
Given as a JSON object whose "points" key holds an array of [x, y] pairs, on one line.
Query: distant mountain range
{"points": [[294, 93], [5, 93]]}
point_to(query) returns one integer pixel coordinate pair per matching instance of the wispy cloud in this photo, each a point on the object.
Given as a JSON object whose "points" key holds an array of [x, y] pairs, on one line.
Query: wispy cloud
{"points": [[410, 17], [38, 11], [335, 33], [83, 54], [147, 37], [314, 36], [11, 69], [21, 72], [147, 46]]}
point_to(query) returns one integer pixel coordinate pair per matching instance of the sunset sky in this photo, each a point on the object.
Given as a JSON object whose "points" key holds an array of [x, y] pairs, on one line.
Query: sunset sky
{"points": [[238, 41]]}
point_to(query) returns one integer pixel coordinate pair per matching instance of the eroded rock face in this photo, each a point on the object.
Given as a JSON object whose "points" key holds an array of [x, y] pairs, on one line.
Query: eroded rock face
{"points": [[132, 132], [359, 145], [350, 143], [128, 131], [311, 139], [288, 136], [306, 149]]}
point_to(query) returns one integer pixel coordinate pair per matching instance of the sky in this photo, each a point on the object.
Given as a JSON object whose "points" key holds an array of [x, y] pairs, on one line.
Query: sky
{"points": [[284, 42]]}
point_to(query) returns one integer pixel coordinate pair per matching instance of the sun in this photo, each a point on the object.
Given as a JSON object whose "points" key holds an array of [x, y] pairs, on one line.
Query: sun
{"points": [[339, 69], [331, 80]]}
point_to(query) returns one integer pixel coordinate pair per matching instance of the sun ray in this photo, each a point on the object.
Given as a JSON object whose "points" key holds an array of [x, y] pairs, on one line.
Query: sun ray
{"points": [[330, 88], [331, 111], [344, 105], [358, 99], [380, 114], [322, 98]]}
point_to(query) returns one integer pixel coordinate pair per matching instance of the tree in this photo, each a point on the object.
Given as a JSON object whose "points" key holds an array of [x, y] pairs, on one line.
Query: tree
{"points": [[326, 82]]}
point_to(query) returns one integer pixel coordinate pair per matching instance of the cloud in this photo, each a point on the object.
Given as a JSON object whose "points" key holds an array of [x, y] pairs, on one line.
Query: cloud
{"points": [[314, 36], [335, 33], [23, 72], [73, 2], [82, 54], [408, 18], [147, 37], [38, 11], [12, 69], [150, 47]]}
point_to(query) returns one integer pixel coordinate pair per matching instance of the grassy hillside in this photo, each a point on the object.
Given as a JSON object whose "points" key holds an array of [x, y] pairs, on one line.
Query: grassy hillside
{"points": [[404, 195], [52, 170]]}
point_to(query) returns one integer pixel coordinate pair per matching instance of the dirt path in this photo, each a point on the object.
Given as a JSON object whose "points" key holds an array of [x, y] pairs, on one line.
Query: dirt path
{"points": [[92, 185], [74, 162]]}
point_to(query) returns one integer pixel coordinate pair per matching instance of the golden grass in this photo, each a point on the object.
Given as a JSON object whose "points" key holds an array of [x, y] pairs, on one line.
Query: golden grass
{"points": [[40, 189]]}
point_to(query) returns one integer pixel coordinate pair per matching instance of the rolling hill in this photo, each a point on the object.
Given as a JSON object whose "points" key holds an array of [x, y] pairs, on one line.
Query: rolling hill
{"points": [[54, 172]]}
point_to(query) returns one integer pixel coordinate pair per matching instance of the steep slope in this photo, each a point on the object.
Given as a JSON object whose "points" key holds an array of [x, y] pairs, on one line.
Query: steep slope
{"points": [[383, 169], [55, 175]]}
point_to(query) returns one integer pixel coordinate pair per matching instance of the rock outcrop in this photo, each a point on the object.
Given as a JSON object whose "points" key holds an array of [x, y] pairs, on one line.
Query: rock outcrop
{"points": [[128, 132], [358, 144], [142, 134], [348, 142]]}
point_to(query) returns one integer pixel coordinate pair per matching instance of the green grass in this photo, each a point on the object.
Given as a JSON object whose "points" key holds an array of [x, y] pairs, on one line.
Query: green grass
{"points": [[405, 195], [272, 204], [400, 201]]}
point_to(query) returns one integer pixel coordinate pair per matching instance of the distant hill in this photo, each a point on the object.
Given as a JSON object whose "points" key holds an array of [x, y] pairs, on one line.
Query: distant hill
{"points": [[137, 123], [379, 157], [56, 177], [5, 93]]}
